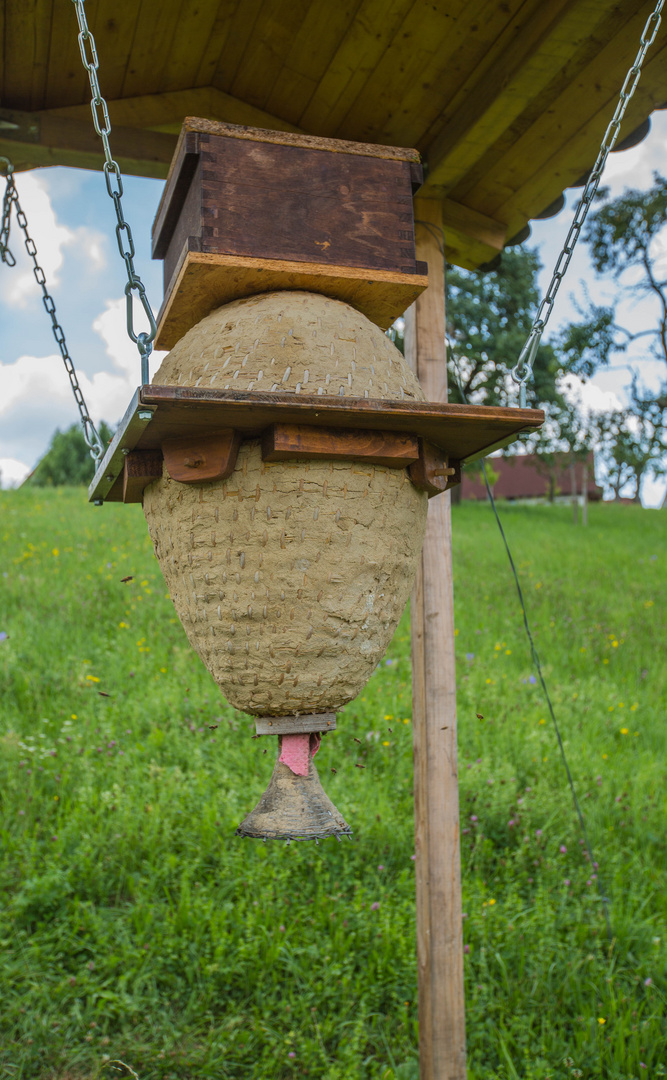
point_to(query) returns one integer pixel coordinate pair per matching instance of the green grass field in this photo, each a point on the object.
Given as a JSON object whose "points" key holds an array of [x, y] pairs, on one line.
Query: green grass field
{"points": [[134, 925]]}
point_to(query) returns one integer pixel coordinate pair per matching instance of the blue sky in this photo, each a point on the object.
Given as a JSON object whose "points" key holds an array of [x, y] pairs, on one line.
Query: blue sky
{"points": [[72, 221]]}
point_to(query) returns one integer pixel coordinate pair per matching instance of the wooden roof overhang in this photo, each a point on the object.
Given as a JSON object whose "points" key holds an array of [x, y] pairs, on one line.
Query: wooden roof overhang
{"points": [[507, 102]]}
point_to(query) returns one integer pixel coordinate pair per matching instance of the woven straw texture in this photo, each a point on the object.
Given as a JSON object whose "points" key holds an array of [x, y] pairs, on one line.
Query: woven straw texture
{"points": [[290, 341], [289, 577]]}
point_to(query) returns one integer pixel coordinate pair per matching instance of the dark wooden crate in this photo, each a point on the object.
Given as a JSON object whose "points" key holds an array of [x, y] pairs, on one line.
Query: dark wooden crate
{"points": [[270, 195]]}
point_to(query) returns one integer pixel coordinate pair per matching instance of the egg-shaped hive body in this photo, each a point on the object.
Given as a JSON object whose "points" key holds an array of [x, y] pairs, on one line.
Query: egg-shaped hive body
{"points": [[289, 577]]}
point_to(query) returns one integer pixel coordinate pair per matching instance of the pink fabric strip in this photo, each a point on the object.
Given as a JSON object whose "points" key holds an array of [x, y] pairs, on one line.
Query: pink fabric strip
{"points": [[297, 750]]}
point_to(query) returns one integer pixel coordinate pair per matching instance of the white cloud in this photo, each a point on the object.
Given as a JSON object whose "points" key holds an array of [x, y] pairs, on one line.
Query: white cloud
{"points": [[50, 237], [589, 397], [634, 168], [12, 472], [111, 325]]}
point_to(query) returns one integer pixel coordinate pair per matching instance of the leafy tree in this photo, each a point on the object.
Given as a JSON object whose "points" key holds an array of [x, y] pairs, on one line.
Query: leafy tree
{"points": [[633, 442], [68, 460], [489, 317], [620, 235]]}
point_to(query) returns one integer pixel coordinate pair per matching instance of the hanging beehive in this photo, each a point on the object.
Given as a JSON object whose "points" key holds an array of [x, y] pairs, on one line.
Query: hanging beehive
{"points": [[284, 453], [289, 576]]}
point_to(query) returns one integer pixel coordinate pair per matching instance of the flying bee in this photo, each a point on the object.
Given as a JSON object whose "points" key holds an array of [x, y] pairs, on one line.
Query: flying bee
{"points": [[124, 580]]}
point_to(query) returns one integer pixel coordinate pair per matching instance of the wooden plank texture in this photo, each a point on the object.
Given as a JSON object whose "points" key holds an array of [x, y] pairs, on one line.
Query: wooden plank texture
{"points": [[165, 111], [508, 100], [157, 413], [141, 467], [287, 202], [204, 282], [434, 471], [288, 442], [442, 1054], [458, 430], [196, 458]]}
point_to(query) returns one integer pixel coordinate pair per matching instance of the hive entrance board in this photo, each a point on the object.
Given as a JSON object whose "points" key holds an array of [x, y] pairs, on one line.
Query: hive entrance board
{"points": [[246, 211], [159, 414]]}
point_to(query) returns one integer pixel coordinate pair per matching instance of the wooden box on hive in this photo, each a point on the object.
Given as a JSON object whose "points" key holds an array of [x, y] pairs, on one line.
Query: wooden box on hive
{"points": [[247, 211], [285, 453]]}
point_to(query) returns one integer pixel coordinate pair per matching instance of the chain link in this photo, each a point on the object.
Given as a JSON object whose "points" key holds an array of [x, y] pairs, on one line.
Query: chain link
{"points": [[524, 366], [114, 184], [11, 199]]}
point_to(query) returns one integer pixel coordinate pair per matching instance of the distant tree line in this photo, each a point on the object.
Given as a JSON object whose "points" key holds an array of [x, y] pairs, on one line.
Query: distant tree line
{"points": [[490, 315], [67, 460]]}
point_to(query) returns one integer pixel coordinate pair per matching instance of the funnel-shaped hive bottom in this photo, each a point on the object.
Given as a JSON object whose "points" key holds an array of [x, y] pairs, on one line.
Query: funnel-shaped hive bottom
{"points": [[294, 807]]}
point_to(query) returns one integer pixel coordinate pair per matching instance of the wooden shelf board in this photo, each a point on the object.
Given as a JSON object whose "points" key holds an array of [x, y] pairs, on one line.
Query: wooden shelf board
{"points": [[206, 281], [464, 432]]}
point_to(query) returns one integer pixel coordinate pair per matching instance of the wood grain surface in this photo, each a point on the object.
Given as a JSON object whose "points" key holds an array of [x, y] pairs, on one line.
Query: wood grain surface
{"points": [[442, 1052], [284, 442], [204, 282], [140, 467], [196, 458], [459, 431]]}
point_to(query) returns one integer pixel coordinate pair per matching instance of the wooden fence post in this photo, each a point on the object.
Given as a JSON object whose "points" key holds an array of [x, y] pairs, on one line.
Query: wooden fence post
{"points": [[442, 1052]]}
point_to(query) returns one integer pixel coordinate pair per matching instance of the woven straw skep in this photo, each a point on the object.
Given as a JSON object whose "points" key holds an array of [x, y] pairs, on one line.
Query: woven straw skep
{"points": [[289, 577]]}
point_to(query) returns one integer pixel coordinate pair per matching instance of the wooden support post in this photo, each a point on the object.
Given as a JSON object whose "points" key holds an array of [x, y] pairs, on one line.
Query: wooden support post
{"points": [[442, 1051]]}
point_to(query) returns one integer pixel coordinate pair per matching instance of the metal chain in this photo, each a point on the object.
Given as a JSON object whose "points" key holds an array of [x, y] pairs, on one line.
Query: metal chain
{"points": [[11, 199], [114, 182], [524, 366]]}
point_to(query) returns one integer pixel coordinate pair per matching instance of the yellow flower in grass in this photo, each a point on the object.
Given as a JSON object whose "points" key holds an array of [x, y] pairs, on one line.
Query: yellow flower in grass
{"points": [[624, 731], [601, 1020]]}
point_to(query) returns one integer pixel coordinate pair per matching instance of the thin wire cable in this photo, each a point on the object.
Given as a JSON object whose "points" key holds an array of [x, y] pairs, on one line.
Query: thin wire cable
{"points": [[533, 650], [538, 667]]}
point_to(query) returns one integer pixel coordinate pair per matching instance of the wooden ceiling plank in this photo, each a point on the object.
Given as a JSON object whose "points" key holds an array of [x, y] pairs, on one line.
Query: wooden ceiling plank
{"points": [[70, 142], [565, 165], [528, 106], [575, 109], [425, 29], [114, 29], [20, 53], [67, 81], [443, 66], [539, 102], [216, 42], [473, 225], [313, 47], [499, 88], [369, 34], [291, 89], [195, 26], [41, 31], [240, 34], [156, 25], [3, 32], [425, 73], [166, 112], [275, 29]]}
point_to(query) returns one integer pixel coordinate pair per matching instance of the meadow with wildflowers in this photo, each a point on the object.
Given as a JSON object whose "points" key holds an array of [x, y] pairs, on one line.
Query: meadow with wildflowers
{"points": [[134, 925]]}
